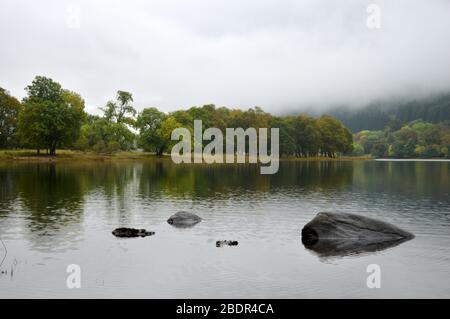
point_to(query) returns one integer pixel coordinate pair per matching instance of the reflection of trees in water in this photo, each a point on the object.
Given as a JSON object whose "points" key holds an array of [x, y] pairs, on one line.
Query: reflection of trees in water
{"points": [[417, 179], [52, 198], [164, 178], [224, 180], [46, 189], [115, 181], [314, 174], [49, 191], [7, 188], [112, 179]]}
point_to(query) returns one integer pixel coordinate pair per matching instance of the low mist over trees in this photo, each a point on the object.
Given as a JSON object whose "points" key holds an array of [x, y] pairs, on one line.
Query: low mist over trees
{"points": [[51, 117], [375, 116]]}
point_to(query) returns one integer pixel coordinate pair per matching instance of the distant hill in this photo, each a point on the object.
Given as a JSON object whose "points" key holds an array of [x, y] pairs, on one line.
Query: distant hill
{"points": [[376, 116]]}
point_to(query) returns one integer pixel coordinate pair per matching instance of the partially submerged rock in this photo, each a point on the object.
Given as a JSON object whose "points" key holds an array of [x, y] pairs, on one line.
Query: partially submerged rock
{"points": [[329, 248], [184, 219], [131, 232], [334, 234], [221, 243]]}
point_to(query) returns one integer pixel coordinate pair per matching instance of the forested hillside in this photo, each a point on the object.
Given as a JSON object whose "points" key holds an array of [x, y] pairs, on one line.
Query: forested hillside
{"points": [[377, 115]]}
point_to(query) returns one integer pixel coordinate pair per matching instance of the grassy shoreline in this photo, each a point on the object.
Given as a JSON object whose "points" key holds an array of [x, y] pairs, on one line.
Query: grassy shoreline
{"points": [[26, 156], [18, 156]]}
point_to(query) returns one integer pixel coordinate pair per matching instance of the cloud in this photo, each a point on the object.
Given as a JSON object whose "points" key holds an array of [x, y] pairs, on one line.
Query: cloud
{"points": [[280, 54]]}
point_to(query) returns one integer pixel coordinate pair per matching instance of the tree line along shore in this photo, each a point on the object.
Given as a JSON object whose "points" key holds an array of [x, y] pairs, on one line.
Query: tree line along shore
{"points": [[51, 118], [75, 156]]}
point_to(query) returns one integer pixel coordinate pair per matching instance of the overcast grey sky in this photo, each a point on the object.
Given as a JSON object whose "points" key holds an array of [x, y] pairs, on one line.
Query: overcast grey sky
{"points": [[275, 54]]}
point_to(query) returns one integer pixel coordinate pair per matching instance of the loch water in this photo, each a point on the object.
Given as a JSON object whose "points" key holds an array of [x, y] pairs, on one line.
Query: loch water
{"points": [[53, 215]]}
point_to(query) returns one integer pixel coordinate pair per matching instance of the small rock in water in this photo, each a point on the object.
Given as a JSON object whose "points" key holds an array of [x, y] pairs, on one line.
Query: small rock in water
{"points": [[221, 243], [184, 219], [131, 232]]}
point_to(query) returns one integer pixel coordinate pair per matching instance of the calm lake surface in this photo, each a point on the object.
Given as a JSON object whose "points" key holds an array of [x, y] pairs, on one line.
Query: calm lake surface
{"points": [[53, 215]]}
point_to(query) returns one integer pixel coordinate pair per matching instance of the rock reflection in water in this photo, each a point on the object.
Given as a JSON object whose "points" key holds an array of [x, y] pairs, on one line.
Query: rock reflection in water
{"points": [[342, 247]]}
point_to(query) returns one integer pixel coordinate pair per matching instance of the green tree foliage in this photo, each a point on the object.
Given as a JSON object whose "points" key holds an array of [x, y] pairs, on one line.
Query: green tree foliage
{"points": [[417, 139], [367, 139], [164, 133], [308, 137], [300, 136], [358, 150], [405, 141], [149, 121], [103, 136], [335, 137], [110, 133], [155, 129], [9, 113], [51, 116], [121, 110], [379, 150], [287, 134]]}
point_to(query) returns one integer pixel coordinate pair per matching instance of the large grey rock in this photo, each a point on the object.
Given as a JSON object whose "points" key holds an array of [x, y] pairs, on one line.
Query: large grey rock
{"points": [[334, 234], [184, 219]]}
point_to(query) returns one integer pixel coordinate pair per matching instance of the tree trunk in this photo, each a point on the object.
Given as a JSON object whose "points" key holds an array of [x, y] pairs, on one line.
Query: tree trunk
{"points": [[53, 149]]}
